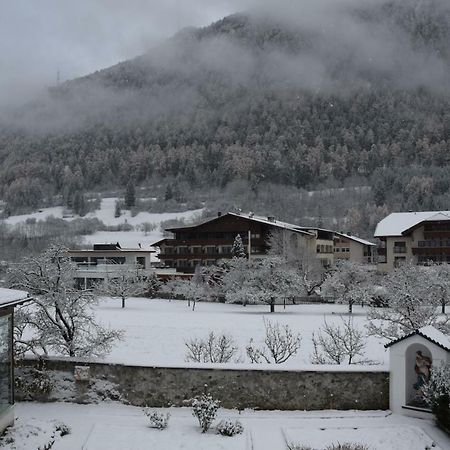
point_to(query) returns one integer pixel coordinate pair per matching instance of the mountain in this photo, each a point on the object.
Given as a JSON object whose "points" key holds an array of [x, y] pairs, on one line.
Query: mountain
{"points": [[329, 94]]}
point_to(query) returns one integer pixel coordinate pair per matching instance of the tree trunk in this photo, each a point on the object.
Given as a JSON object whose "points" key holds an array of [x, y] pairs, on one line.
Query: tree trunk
{"points": [[272, 307], [123, 302], [350, 308], [284, 302], [443, 307]]}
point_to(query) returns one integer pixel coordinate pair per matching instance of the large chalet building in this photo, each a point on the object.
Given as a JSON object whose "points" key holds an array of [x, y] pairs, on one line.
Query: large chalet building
{"points": [[415, 237], [212, 240]]}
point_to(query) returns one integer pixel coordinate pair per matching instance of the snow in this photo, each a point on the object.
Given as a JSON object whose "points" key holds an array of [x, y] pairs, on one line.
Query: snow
{"points": [[113, 426], [436, 336], [106, 215], [42, 214], [396, 223], [8, 296], [107, 209], [356, 239], [156, 329]]}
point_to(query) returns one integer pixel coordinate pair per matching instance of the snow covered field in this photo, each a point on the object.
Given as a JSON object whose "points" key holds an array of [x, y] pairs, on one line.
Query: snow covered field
{"points": [[156, 329], [112, 426]]}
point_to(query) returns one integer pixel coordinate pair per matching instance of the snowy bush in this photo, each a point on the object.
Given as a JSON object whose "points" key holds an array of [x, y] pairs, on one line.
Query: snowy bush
{"points": [[205, 408], [35, 383], [338, 344], [213, 349], [280, 344], [347, 446], [437, 393], [229, 428], [157, 419], [63, 429]]}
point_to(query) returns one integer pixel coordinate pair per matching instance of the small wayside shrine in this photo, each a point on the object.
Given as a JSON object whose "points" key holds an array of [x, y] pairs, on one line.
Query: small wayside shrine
{"points": [[412, 359]]}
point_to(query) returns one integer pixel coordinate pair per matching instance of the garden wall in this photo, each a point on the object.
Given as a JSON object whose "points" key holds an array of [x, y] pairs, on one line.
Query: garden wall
{"points": [[253, 387]]}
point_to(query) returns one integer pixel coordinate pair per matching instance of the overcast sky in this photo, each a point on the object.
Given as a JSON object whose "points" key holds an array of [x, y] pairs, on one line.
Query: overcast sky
{"points": [[38, 37]]}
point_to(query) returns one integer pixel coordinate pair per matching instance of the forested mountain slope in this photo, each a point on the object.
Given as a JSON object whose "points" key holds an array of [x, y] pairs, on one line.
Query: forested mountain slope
{"points": [[299, 97]]}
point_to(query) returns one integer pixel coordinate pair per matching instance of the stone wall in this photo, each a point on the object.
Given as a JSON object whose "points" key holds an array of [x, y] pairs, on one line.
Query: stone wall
{"points": [[236, 388]]}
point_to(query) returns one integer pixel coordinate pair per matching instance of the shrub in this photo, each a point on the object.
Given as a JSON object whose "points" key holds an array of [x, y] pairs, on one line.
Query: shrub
{"points": [[205, 409], [157, 420], [63, 429], [229, 428], [437, 393], [347, 446]]}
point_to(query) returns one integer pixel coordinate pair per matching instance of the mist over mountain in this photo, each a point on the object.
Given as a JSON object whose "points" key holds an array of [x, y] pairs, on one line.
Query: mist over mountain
{"points": [[306, 96]]}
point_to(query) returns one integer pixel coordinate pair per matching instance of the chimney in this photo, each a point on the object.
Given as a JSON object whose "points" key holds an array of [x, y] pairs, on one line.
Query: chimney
{"points": [[271, 218], [219, 214]]}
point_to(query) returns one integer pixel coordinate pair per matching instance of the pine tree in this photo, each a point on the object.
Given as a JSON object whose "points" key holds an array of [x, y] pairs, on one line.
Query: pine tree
{"points": [[130, 197], [238, 250]]}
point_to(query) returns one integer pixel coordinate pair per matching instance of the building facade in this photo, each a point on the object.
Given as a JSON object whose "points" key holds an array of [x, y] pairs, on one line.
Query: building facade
{"points": [[105, 261], [8, 300], [212, 240], [414, 237]]}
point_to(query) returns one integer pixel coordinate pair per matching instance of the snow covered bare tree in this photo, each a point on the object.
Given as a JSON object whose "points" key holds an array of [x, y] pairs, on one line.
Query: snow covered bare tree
{"points": [[439, 279], [411, 304], [60, 318], [298, 255], [238, 250], [213, 349], [124, 283], [349, 283], [280, 344], [339, 344], [261, 281]]}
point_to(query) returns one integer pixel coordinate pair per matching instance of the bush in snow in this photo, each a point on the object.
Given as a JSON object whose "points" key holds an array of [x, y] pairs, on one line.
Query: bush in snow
{"points": [[280, 344], [63, 429], [347, 446], [213, 349], [437, 392], [205, 408], [157, 420], [229, 428], [336, 344], [34, 383]]}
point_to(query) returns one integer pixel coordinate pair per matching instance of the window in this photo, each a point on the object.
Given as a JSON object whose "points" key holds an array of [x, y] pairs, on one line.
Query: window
{"points": [[255, 235], [140, 261], [399, 247], [5, 362], [399, 260]]}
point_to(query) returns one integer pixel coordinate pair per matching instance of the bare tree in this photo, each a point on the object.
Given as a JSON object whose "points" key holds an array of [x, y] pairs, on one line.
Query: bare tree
{"points": [[349, 283], [281, 343], [299, 256], [260, 281], [339, 344], [123, 283], [411, 304], [214, 349], [60, 318]]}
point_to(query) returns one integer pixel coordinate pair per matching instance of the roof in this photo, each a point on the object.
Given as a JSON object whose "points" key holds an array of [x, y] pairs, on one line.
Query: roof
{"points": [[355, 238], [396, 224], [250, 216], [11, 297], [430, 333]]}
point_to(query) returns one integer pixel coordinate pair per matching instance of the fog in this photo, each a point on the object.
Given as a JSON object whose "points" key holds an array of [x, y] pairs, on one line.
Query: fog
{"points": [[333, 49], [40, 38]]}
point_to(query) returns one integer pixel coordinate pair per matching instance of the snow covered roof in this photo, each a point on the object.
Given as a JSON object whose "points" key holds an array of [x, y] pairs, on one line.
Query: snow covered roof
{"points": [[397, 223], [429, 332], [273, 222], [355, 238], [11, 297], [250, 216]]}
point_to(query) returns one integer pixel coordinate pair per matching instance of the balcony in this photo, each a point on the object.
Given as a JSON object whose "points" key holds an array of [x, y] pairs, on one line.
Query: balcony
{"points": [[434, 244]]}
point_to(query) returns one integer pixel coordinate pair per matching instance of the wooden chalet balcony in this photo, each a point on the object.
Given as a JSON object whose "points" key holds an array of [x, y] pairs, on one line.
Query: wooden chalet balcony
{"points": [[432, 247]]}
